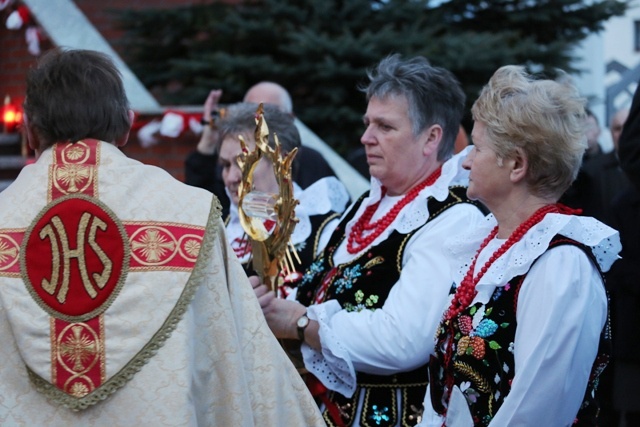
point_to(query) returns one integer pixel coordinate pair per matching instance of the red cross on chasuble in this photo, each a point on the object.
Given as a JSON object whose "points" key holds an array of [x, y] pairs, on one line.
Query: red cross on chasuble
{"points": [[75, 257]]}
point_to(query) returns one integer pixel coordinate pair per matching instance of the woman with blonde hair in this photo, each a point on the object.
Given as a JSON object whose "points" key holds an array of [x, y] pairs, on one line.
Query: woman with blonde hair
{"points": [[523, 337]]}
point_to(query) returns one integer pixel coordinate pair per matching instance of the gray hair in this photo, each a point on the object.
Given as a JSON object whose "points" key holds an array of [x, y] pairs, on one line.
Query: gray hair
{"points": [[434, 95], [239, 119]]}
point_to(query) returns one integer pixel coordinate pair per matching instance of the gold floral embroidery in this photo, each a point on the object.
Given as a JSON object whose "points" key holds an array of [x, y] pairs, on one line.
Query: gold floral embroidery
{"points": [[8, 251], [72, 176], [466, 370], [77, 352], [74, 152], [373, 262], [78, 347], [79, 390], [153, 245], [192, 247]]}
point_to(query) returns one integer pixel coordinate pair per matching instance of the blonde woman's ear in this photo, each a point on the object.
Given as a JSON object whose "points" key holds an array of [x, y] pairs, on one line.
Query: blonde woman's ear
{"points": [[519, 165]]}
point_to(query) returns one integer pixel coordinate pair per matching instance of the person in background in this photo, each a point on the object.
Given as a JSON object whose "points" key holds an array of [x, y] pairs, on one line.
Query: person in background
{"points": [[202, 167], [622, 400], [610, 183], [119, 302], [623, 284], [364, 315], [523, 339], [629, 142], [617, 124], [583, 193], [605, 175], [320, 204], [592, 132]]}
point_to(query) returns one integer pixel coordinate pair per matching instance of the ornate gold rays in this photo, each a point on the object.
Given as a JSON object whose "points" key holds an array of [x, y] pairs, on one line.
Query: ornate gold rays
{"points": [[270, 239]]}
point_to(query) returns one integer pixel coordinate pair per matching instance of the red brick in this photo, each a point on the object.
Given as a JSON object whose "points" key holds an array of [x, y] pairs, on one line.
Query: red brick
{"points": [[16, 60]]}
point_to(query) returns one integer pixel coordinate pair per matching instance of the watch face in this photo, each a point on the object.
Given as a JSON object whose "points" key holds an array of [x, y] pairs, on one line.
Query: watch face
{"points": [[303, 321]]}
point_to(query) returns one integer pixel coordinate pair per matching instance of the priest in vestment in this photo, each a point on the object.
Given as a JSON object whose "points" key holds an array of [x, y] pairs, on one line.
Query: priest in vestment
{"points": [[121, 303]]}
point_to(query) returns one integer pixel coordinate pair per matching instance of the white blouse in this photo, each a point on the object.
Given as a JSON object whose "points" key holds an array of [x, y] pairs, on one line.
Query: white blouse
{"points": [[399, 336], [562, 308]]}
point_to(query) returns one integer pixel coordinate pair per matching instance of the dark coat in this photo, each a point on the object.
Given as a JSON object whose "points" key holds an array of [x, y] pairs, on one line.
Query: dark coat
{"points": [[623, 280], [629, 143]]}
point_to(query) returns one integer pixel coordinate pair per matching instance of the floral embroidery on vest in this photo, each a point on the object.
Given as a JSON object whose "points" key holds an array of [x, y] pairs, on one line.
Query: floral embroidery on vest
{"points": [[482, 368], [364, 284]]}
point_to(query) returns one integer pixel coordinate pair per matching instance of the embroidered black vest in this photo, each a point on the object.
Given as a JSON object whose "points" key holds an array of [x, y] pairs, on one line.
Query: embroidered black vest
{"points": [[364, 284], [482, 361]]}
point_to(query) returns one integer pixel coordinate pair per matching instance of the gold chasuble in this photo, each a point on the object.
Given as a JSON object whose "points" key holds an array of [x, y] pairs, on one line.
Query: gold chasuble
{"points": [[121, 305]]}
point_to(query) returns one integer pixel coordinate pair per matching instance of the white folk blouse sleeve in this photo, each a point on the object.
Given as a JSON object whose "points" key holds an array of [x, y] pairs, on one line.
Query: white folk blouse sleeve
{"points": [[399, 336], [562, 308]]}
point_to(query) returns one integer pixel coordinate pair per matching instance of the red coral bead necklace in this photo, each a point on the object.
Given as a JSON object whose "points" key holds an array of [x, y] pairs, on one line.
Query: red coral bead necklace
{"points": [[364, 232], [467, 289], [466, 292]]}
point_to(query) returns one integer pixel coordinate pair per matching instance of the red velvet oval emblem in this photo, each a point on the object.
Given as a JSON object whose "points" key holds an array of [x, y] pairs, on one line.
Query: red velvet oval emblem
{"points": [[75, 257]]}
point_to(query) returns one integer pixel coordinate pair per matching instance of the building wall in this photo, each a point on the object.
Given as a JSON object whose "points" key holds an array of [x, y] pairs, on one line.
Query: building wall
{"points": [[167, 153], [620, 46], [614, 45], [15, 61], [619, 41]]}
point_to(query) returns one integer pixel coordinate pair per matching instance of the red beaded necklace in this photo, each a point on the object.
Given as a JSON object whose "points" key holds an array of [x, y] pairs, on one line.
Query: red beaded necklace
{"points": [[467, 289], [358, 241]]}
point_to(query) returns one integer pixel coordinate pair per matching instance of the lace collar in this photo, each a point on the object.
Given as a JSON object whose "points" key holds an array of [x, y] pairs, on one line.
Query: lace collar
{"points": [[602, 239], [416, 213]]}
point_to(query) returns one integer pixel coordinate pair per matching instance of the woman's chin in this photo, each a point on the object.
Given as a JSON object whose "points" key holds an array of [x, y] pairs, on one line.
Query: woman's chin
{"points": [[472, 194]]}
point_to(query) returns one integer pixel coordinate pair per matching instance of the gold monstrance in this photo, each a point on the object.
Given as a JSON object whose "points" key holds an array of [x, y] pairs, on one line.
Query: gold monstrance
{"points": [[268, 219]]}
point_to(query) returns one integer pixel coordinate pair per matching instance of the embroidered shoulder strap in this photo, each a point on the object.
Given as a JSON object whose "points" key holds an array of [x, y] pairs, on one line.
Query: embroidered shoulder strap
{"points": [[457, 195], [325, 221]]}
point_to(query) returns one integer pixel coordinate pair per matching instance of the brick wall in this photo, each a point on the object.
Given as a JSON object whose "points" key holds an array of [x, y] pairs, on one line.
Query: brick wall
{"points": [[15, 60], [168, 153]]}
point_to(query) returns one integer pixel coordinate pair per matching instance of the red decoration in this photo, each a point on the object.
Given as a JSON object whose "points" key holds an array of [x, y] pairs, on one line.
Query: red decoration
{"points": [[358, 241], [176, 122], [10, 242], [74, 257], [11, 116], [18, 18], [79, 367]]}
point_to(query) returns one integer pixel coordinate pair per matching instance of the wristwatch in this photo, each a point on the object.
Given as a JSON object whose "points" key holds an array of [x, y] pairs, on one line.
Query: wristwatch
{"points": [[211, 122], [302, 324]]}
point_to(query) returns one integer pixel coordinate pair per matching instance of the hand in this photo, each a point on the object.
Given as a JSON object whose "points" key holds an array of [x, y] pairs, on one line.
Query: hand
{"points": [[209, 139], [211, 104], [264, 295], [281, 315]]}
